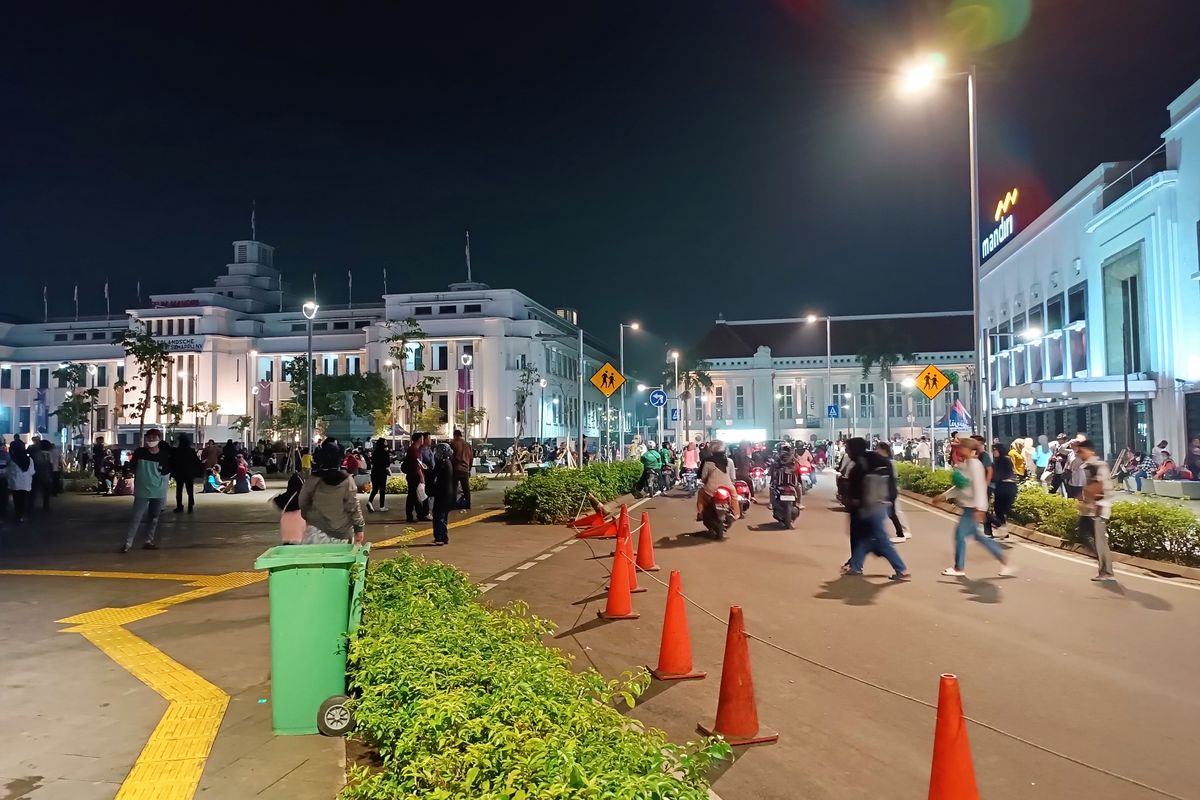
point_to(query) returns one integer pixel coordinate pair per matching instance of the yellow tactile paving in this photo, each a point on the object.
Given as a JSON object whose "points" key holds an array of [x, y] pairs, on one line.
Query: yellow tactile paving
{"points": [[412, 535], [143, 576]]}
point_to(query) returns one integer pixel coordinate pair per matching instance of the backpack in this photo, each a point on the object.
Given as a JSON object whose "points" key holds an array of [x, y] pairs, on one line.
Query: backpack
{"points": [[875, 489]]}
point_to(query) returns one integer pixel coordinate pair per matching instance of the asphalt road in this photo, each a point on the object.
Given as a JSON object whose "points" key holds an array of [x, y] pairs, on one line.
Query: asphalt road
{"points": [[1073, 679]]}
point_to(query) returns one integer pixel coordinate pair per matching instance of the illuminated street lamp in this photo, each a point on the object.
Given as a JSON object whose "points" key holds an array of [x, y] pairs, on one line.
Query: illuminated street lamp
{"points": [[916, 78], [621, 432], [309, 310], [811, 319]]}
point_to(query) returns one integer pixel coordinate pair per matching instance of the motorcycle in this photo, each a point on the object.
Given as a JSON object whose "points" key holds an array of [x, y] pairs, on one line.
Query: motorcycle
{"points": [[808, 476], [743, 492], [784, 506], [717, 515], [758, 479], [690, 481]]}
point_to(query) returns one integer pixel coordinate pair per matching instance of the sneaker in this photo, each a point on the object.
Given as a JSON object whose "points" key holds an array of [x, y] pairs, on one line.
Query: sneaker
{"points": [[951, 572], [800, 508], [1104, 578], [370, 506], [848, 571], [383, 508], [123, 549], [179, 510], [1007, 571], [149, 546], [898, 539], [900, 576]]}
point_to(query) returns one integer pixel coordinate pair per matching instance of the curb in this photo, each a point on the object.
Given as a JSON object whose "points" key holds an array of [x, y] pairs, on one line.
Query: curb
{"points": [[1159, 567]]}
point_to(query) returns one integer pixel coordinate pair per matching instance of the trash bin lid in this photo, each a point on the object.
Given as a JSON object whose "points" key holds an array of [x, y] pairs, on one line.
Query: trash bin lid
{"points": [[293, 555]]}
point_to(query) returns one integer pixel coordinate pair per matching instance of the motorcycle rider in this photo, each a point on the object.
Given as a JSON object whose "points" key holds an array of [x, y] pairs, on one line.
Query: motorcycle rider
{"points": [[785, 471], [713, 475], [690, 460], [804, 459], [740, 456], [666, 475], [651, 466]]}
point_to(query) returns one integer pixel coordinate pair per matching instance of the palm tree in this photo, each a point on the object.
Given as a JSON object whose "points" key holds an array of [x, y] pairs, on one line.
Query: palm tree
{"points": [[885, 350], [691, 379]]}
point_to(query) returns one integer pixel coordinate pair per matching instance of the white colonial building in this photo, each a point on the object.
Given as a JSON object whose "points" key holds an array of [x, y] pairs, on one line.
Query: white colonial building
{"points": [[232, 344], [779, 378], [1097, 301]]}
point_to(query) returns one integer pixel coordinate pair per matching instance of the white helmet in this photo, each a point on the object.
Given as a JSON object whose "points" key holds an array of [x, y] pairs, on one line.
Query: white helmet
{"points": [[650, 444]]}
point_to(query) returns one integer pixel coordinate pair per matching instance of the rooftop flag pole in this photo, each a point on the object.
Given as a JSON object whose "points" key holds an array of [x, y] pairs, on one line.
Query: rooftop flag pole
{"points": [[468, 256], [77, 302], [281, 292], [385, 280], [139, 291], [314, 287], [349, 290], [45, 305], [107, 304], [253, 227]]}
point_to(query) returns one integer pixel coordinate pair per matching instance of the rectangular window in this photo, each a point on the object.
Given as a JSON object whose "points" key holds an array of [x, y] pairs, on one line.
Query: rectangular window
{"points": [[739, 402], [285, 367], [837, 397], [6, 420], [99, 335], [423, 311], [698, 405], [1077, 303], [1054, 313], [359, 324], [896, 407], [785, 402], [62, 380], [441, 356], [26, 374], [60, 337], [121, 371], [330, 366], [866, 400], [447, 309], [298, 326], [719, 403], [170, 327], [78, 337], [414, 357], [320, 326], [116, 335], [353, 365], [44, 378], [191, 326], [23, 419], [342, 326], [1124, 336], [6, 378], [102, 417], [473, 308], [102, 375]]}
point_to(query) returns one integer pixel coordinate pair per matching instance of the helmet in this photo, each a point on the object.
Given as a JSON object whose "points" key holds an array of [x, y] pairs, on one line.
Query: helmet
{"points": [[650, 444]]}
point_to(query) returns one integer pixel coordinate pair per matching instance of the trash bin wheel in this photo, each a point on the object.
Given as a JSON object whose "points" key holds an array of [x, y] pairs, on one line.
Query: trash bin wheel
{"points": [[333, 718]]}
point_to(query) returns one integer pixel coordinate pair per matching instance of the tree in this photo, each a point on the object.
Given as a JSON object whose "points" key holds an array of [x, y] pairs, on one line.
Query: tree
{"points": [[431, 420], [242, 423], [174, 411], [465, 419], [153, 358], [407, 336], [885, 349], [692, 379], [202, 411], [371, 392], [525, 382], [78, 406]]}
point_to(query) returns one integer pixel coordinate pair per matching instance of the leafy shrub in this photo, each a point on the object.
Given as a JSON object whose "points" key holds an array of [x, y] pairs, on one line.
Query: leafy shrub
{"points": [[464, 702], [555, 495], [478, 483], [922, 480], [396, 484]]}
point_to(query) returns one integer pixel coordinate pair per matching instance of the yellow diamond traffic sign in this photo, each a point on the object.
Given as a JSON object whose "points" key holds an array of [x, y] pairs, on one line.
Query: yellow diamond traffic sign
{"points": [[607, 379], [932, 381]]}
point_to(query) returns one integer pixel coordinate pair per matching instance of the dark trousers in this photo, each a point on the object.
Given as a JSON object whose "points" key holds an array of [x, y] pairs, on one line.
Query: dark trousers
{"points": [[379, 487], [463, 481], [20, 502], [1006, 495], [414, 509], [441, 522], [3, 496], [43, 485], [180, 483], [895, 518]]}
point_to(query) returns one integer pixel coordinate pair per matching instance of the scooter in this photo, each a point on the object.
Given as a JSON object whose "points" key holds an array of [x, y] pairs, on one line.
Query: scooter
{"points": [[784, 506], [689, 481], [743, 492], [758, 479], [717, 515], [808, 476]]}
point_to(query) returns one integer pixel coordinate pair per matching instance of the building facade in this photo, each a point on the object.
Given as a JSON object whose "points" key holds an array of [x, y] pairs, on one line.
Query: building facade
{"points": [[782, 378], [1091, 307], [232, 344]]}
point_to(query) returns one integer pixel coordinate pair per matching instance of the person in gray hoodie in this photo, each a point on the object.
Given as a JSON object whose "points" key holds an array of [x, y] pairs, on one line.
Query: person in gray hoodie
{"points": [[329, 501]]}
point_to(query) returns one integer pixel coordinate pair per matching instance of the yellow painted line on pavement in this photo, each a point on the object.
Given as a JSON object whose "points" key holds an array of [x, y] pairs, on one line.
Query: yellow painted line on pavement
{"points": [[411, 535], [172, 760], [78, 573]]}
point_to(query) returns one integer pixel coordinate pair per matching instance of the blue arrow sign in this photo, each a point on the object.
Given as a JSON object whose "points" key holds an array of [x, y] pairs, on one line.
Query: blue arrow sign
{"points": [[658, 398], [832, 411]]}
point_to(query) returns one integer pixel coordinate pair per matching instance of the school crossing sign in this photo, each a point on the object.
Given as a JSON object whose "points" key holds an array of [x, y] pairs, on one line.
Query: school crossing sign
{"points": [[932, 381], [607, 379]]}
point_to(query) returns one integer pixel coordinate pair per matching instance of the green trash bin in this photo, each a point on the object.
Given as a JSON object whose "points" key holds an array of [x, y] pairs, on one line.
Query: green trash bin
{"points": [[315, 600]]}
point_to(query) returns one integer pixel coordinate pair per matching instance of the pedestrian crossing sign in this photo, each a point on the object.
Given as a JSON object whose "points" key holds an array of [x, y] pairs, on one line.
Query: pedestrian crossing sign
{"points": [[932, 381], [607, 379]]}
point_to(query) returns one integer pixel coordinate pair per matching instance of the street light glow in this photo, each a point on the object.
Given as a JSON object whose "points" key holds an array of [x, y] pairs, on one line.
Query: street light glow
{"points": [[909, 383], [641, 387], [918, 75], [847, 395], [542, 383], [635, 325], [675, 354], [811, 318], [309, 309], [253, 353]]}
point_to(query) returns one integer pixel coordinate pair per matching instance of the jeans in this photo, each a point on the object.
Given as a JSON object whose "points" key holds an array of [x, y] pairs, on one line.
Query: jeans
{"points": [[1006, 495], [872, 539], [968, 527], [379, 487], [1135, 479], [441, 523], [180, 483], [1097, 529], [140, 506], [412, 506], [463, 481]]}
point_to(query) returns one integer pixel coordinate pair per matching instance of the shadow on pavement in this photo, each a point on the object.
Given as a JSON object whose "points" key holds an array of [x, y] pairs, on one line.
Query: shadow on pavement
{"points": [[685, 540], [584, 627], [655, 689], [1146, 600], [984, 590], [853, 590]]}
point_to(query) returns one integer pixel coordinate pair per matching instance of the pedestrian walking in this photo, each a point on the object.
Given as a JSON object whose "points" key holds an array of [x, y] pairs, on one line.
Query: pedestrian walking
{"points": [[1075, 478], [381, 459], [893, 504], [464, 458], [329, 500], [4, 460], [866, 499], [1004, 491], [969, 492], [441, 492], [414, 476], [150, 466], [43, 472], [1095, 506], [185, 469], [19, 476]]}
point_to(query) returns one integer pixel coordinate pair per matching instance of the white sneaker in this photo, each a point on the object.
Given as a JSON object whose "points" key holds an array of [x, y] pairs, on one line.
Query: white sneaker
{"points": [[899, 539], [951, 572], [1007, 570], [383, 508], [370, 506]]}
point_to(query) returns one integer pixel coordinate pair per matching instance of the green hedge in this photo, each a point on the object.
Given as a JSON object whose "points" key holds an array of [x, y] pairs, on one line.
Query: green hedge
{"points": [[1141, 528], [396, 484], [555, 495], [464, 702]]}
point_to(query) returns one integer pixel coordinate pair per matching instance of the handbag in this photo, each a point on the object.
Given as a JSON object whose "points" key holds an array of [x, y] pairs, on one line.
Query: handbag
{"points": [[291, 523], [421, 495]]}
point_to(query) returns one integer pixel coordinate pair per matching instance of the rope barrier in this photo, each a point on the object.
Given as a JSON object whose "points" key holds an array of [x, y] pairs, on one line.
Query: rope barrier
{"points": [[896, 693]]}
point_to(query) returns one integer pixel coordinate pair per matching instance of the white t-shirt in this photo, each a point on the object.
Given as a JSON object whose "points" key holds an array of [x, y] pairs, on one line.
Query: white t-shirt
{"points": [[974, 495]]}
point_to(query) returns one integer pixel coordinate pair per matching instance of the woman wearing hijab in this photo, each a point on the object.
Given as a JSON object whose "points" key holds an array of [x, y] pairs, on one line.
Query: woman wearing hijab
{"points": [[19, 473], [380, 461], [716, 473], [329, 501], [442, 489]]}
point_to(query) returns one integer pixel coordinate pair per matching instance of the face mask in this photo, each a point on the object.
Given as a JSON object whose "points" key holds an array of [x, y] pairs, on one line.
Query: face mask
{"points": [[152, 443]]}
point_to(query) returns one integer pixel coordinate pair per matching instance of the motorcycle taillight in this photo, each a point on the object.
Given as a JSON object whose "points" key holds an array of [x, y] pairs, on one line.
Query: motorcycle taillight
{"points": [[721, 494]]}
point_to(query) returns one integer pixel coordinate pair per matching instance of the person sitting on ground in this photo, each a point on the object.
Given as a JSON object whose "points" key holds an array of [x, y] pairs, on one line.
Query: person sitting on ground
{"points": [[257, 482], [329, 501], [124, 484], [212, 480], [1167, 470], [241, 479], [1192, 462]]}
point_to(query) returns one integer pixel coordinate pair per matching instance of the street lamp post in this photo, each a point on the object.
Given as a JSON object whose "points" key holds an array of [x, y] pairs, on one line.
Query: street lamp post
{"points": [[542, 412], [250, 359], [849, 396], [309, 310], [811, 318], [678, 410], [621, 425], [917, 77], [391, 365]]}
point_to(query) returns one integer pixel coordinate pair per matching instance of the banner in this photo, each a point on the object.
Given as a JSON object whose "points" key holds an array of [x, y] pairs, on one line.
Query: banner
{"points": [[264, 395], [41, 412]]}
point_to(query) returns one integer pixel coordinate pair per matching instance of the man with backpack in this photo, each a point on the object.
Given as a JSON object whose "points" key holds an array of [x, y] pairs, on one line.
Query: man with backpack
{"points": [[867, 500]]}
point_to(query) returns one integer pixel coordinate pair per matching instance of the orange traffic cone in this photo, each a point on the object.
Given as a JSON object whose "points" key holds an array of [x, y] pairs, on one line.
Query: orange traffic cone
{"points": [[595, 518], [645, 551], [737, 714], [605, 530], [624, 552], [952, 776], [623, 520], [619, 604], [675, 651]]}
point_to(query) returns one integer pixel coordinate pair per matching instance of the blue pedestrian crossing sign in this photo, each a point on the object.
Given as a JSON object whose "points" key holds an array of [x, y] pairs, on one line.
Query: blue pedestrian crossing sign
{"points": [[832, 411], [674, 415], [658, 398]]}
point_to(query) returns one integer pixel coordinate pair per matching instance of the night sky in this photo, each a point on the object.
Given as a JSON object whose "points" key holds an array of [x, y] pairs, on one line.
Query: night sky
{"points": [[661, 161]]}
